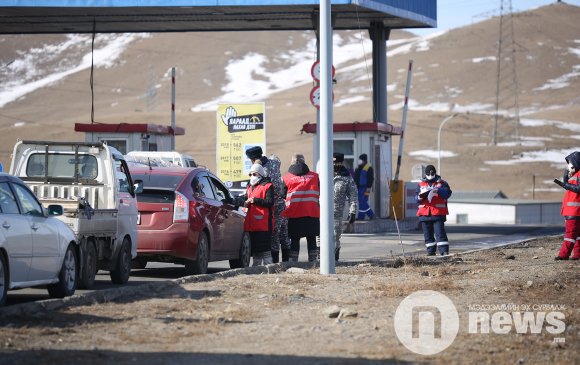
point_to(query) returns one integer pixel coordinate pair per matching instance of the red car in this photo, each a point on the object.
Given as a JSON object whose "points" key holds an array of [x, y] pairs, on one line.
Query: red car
{"points": [[185, 218]]}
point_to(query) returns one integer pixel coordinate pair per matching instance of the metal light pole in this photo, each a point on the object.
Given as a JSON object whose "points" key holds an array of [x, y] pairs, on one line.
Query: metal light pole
{"points": [[325, 129], [439, 141]]}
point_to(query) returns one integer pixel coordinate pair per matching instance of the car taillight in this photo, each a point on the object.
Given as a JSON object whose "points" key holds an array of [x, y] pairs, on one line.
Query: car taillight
{"points": [[180, 209]]}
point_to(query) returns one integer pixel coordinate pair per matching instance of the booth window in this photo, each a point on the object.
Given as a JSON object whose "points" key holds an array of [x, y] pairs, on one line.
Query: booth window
{"points": [[119, 144], [346, 146]]}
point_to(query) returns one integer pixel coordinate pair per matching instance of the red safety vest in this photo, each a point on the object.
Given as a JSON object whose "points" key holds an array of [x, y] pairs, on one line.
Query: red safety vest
{"points": [[571, 201], [258, 218], [437, 206], [302, 198]]}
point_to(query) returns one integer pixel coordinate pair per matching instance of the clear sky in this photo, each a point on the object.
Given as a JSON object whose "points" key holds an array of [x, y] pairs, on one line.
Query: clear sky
{"points": [[457, 13]]}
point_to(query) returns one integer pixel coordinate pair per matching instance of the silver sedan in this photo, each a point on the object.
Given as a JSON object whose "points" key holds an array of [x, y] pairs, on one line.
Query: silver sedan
{"points": [[36, 249]]}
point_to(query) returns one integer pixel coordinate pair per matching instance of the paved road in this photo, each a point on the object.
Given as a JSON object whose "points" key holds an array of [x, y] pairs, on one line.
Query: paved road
{"points": [[355, 247], [461, 238]]}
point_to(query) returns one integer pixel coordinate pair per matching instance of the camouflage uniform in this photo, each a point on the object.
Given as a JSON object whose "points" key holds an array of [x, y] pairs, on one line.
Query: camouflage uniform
{"points": [[280, 233], [344, 190]]}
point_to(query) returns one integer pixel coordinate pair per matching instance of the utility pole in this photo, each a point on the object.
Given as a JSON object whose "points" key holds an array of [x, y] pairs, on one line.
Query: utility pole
{"points": [[506, 95]]}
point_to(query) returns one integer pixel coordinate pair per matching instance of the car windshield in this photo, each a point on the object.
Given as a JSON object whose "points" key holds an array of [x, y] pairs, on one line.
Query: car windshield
{"points": [[61, 165], [154, 181]]}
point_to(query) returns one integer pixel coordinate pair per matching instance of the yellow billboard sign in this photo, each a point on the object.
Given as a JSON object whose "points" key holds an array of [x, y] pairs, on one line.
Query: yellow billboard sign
{"points": [[239, 127]]}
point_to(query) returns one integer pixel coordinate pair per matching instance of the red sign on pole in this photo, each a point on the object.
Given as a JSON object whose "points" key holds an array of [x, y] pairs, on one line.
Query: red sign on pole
{"points": [[315, 96], [315, 71]]}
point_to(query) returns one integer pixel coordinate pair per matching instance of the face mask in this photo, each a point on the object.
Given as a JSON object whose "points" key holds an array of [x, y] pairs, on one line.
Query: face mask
{"points": [[361, 162], [571, 168], [430, 177], [254, 180]]}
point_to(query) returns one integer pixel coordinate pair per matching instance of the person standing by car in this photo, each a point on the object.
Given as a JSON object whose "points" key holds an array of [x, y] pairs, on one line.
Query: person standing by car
{"points": [[344, 191], [364, 177], [259, 222], [571, 208], [280, 234], [301, 188], [431, 195]]}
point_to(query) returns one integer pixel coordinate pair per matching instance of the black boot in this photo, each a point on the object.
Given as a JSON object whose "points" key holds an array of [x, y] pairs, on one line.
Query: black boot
{"points": [[285, 254], [275, 256], [294, 256], [432, 250], [337, 254], [313, 255]]}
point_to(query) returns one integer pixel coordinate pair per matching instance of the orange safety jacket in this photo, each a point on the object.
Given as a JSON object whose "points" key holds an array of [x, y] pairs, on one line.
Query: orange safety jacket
{"points": [[571, 201], [437, 206], [258, 218], [302, 198]]}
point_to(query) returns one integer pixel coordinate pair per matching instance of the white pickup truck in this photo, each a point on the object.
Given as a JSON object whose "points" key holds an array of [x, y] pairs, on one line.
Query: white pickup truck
{"points": [[93, 184]]}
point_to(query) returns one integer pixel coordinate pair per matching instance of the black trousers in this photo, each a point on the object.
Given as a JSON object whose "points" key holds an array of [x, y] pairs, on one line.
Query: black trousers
{"points": [[310, 240]]}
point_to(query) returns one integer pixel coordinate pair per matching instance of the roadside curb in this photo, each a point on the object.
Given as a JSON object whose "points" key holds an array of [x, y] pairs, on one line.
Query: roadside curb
{"points": [[39, 308], [507, 244]]}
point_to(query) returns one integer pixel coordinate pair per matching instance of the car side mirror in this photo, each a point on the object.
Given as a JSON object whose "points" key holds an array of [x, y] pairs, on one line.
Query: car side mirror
{"points": [[138, 186], [55, 210]]}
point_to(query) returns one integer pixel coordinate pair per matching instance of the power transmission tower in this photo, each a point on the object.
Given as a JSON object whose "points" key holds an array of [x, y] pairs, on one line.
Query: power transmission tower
{"points": [[506, 97]]}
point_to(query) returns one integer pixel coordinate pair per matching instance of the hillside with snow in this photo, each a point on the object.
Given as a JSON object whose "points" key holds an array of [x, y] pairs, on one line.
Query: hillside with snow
{"points": [[45, 89]]}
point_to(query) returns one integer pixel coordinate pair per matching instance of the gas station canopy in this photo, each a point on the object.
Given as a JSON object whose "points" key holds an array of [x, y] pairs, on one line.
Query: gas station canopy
{"points": [[123, 16]]}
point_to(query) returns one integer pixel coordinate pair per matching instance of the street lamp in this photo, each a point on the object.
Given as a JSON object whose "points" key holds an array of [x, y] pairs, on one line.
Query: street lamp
{"points": [[439, 141]]}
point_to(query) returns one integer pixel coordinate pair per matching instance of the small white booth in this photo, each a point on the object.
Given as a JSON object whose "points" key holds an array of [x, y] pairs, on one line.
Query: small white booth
{"points": [[374, 139], [131, 137]]}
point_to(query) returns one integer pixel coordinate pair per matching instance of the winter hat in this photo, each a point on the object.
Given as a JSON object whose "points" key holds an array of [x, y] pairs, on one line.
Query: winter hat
{"points": [[574, 159], [297, 158], [430, 170], [254, 153], [258, 169], [338, 157], [363, 157]]}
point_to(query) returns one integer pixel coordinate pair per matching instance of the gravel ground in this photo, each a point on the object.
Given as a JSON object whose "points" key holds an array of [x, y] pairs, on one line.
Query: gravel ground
{"points": [[288, 316]]}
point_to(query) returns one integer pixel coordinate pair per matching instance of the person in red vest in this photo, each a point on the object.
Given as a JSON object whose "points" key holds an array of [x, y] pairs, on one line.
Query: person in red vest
{"points": [[431, 195], [301, 188], [571, 208], [259, 222]]}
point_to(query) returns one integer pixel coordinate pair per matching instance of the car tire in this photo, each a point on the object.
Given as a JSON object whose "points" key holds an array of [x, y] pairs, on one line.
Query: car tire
{"points": [[245, 253], [4, 280], [120, 274], [89, 267], [138, 263], [68, 276], [199, 266]]}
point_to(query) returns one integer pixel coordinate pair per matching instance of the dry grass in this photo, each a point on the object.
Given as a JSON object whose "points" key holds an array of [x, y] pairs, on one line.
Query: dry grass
{"points": [[404, 287]]}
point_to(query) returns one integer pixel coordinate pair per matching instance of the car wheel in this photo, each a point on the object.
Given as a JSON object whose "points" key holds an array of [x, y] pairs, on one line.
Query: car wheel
{"points": [[138, 263], [199, 266], [120, 275], [3, 280], [245, 253], [89, 269], [68, 276]]}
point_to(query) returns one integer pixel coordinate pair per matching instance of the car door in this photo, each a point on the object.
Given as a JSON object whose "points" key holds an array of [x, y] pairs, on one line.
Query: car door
{"points": [[46, 250], [16, 233], [232, 220], [211, 211], [126, 205]]}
